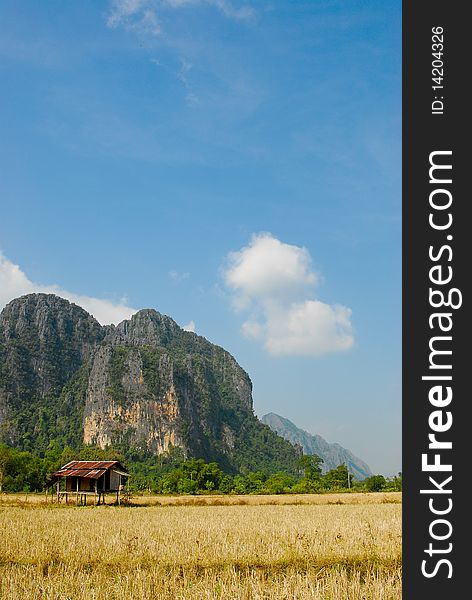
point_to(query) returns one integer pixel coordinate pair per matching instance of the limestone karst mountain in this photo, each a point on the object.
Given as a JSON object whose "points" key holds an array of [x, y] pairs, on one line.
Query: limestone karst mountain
{"points": [[145, 385]]}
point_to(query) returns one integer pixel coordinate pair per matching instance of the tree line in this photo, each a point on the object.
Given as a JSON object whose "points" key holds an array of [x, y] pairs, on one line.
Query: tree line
{"points": [[173, 473]]}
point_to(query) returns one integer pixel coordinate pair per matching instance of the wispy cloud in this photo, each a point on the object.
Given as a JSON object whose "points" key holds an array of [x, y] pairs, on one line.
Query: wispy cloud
{"points": [[178, 276], [191, 98], [140, 16], [189, 327], [273, 282], [227, 8], [144, 16], [14, 282]]}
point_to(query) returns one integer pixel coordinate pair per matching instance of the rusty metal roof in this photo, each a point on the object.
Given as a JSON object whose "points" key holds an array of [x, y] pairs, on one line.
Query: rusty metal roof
{"points": [[90, 469], [87, 473]]}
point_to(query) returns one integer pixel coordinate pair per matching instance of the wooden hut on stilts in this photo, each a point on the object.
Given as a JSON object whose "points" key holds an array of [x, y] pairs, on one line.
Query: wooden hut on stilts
{"points": [[89, 478]]}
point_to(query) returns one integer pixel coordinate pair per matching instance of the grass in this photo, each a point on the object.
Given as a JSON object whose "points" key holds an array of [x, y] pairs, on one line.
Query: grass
{"points": [[330, 547], [31, 499]]}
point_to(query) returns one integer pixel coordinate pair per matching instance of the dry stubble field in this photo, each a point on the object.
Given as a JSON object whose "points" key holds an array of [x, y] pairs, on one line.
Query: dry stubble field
{"points": [[328, 547]]}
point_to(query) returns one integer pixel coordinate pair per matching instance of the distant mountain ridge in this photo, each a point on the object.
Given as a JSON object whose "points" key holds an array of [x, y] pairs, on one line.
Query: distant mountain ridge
{"points": [[332, 454]]}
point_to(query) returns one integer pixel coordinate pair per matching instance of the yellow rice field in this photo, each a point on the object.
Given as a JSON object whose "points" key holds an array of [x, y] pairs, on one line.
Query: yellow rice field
{"points": [[327, 547]]}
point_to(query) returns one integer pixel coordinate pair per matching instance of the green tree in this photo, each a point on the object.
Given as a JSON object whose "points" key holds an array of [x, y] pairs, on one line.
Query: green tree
{"points": [[375, 483], [187, 486], [337, 478], [226, 485], [210, 477], [394, 484], [252, 483], [169, 482], [5, 454], [310, 464], [279, 483], [20, 471], [307, 486], [97, 453]]}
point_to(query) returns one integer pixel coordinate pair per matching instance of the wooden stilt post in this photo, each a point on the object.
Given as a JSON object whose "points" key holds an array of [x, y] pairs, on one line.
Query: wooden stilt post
{"points": [[77, 493], [57, 489], [95, 494]]}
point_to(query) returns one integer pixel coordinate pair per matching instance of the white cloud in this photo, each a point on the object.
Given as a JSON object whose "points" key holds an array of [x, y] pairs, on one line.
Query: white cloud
{"points": [[14, 282], [143, 16], [274, 282], [308, 328], [267, 267], [252, 329], [189, 327]]}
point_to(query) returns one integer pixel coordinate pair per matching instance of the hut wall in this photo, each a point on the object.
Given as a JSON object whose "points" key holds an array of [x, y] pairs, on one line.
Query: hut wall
{"points": [[115, 480], [86, 484]]}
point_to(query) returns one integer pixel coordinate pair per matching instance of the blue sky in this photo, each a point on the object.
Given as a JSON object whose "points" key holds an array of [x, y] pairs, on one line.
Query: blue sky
{"points": [[235, 165]]}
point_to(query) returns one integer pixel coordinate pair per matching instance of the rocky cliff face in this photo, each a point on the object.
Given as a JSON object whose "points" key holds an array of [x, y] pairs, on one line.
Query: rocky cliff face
{"points": [[44, 341], [332, 454], [144, 385]]}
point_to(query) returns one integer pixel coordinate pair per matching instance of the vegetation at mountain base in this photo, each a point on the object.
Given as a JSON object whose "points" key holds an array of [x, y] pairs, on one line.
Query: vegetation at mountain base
{"points": [[172, 473]]}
